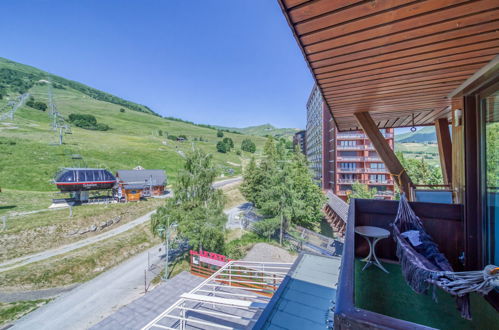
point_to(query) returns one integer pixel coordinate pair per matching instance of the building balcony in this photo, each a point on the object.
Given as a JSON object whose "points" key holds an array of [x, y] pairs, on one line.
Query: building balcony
{"points": [[376, 170], [371, 299], [351, 170], [373, 159], [385, 193], [387, 182], [350, 136], [350, 181], [350, 158], [358, 147]]}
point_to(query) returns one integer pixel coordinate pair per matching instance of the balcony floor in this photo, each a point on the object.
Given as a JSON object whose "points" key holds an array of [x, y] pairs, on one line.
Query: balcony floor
{"points": [[388, 294]]}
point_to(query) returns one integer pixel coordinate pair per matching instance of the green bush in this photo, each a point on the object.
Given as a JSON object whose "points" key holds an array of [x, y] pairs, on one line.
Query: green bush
{"points": [[267, 228], [220, 134], [228, 141], [182, 136], [222, 147], [87, 122], [238, 152], [172, 137], [122, 110], [248, 146]]}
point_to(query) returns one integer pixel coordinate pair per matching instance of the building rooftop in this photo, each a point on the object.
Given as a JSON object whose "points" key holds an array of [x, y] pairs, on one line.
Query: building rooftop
{"points": [[158, 177], [305, 297]]}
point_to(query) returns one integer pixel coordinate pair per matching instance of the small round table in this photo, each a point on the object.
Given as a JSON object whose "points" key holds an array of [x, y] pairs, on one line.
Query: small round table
{"points": [[372, 236]]}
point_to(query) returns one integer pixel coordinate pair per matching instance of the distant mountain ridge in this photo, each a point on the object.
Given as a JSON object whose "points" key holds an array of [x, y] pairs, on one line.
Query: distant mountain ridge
{"points": [[262, 130], [422, 135]]}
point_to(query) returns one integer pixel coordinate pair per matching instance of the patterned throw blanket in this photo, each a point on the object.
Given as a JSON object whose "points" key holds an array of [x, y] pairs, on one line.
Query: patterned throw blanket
{"points": [[424, 266]]}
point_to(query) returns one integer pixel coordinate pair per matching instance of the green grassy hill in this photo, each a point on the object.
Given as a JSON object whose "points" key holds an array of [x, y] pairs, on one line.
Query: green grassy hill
{"points": [[29, 159], [263, 130], [422, 135]]}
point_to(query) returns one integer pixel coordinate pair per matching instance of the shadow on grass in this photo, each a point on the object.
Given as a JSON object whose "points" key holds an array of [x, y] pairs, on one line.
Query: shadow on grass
{"points": [[8, 207]]}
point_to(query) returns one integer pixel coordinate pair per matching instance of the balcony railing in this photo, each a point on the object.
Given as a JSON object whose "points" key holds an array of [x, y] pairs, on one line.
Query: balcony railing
{"points": [[350, 158], [347, 136], [358, 147], [373, 159], [349, 181], [376, 170], [380, 181], [385, 193], [351, 170]]}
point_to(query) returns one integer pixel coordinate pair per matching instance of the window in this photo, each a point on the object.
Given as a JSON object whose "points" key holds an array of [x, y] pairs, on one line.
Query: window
{"points": [[377, 166], [377, 177], [490, 169], [348, 143], [348, 165]]}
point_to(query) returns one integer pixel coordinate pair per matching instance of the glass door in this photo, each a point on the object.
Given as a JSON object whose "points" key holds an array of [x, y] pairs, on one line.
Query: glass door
{"points": [[490, 173]]}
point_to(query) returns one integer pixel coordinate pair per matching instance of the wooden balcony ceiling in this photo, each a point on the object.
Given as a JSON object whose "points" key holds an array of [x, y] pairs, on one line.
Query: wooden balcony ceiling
{"points": [[394, 58]]}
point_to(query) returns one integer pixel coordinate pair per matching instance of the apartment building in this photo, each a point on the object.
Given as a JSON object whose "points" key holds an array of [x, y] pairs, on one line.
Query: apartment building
{"points": [[314, 136], [338, 159], [299, 140], [358, 161]]}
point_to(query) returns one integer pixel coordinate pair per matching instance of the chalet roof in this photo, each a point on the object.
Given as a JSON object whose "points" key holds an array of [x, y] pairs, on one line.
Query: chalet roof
{"points": [[399, 60], [129, 177]]}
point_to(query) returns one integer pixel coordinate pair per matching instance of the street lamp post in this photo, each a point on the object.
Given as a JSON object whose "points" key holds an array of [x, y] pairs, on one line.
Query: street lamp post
{"points": [[167, 231]]}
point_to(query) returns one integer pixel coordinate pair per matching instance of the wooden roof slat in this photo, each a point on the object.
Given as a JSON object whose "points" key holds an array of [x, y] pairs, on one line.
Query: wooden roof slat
{"points": [[385, 87], [401, 78], [413, 91], [370, 14], [414, 54], [318, 8], [404, 99], [391, 73], [390, 66], [456, 16], [407, 40]]}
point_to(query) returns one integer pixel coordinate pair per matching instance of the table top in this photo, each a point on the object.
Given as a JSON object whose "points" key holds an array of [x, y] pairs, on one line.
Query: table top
{"points": [[371, 231]]}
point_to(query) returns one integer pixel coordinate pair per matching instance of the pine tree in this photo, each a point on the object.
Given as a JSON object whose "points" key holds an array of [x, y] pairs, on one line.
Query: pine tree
{"points": [[196, 206]]}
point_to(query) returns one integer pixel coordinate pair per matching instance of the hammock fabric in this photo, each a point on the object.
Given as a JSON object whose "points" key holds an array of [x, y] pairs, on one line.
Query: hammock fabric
{"points": [[424, 266]]}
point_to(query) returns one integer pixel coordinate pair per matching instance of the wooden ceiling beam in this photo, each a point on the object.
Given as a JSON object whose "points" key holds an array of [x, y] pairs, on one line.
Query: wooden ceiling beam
{"points": [[385, 152]]}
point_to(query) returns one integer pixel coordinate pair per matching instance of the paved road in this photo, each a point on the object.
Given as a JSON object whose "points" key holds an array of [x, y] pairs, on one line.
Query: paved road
{"points": [[25, 260], [94, 300], [233, 222]]}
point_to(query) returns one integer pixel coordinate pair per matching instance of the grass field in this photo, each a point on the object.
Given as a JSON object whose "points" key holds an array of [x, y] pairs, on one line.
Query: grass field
{"points": [[12, 311], [420, 150]]}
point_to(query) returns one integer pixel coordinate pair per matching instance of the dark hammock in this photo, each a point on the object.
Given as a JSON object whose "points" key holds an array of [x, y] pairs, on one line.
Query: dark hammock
{"points": [[424, 267]]}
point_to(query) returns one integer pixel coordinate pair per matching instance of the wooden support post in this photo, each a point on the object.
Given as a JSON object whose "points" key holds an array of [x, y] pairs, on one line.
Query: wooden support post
{"points": [[444, 148], [386, 153]]}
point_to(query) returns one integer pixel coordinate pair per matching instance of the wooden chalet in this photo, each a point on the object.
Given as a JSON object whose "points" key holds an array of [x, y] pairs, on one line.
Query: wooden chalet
{"points": [[134, 184], [387, 64]]}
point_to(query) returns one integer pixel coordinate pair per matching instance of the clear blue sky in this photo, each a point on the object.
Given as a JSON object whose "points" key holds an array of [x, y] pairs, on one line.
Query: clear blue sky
{"points": [[225, 62]]}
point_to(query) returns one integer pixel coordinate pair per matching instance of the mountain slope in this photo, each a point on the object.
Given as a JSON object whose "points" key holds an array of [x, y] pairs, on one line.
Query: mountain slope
{"points": [[18, 78], [422, 135], [263, 130], [29, 159]]}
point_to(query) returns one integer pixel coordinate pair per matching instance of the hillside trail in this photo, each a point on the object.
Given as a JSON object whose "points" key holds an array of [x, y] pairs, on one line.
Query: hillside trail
{"points": [[25, 260]]}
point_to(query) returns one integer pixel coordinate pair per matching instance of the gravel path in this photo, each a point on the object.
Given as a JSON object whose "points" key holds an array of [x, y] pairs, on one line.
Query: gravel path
{"points": [[35, 294], [269, 253]]}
